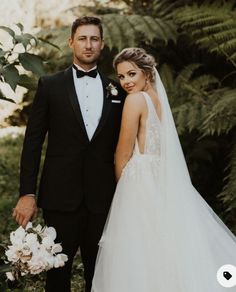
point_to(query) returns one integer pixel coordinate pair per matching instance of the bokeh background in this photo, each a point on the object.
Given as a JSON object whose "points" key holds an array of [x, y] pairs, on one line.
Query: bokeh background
{"points": [[194, 43]]}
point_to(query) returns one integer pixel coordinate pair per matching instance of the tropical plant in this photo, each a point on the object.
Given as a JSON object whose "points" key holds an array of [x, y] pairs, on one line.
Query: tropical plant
{"points": [[212, 27], [21, 54]]}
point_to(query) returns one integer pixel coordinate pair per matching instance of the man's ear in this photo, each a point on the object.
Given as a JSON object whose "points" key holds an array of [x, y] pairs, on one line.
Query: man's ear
{"points": [[103, 44], [70, 42]]}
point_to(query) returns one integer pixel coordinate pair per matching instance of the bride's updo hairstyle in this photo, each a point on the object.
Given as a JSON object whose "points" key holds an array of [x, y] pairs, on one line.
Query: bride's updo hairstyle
{"points": [[140, 58]]}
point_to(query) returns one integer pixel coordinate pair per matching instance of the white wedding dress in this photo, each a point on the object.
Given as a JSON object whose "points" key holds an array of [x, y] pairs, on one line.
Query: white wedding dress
{"points": [[154, 242]]}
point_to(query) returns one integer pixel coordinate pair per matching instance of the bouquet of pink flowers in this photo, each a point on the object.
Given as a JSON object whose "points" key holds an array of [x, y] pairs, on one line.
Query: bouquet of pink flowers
{"points": [[33, 251]]}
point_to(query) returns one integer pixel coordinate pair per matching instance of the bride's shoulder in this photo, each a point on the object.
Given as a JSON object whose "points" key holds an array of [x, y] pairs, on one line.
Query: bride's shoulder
{"points": [[134, 103], [135, 98]]}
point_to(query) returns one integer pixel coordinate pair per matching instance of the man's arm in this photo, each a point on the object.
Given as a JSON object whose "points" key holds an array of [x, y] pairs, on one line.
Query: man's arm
{"points": [[31, 154], [36, 130]]}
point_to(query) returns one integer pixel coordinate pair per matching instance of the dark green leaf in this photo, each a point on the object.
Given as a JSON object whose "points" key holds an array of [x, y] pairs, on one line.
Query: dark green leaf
{"points": [[21, 27], [32, 63], [2, 252], [24, 39], [27, 82], [50, 43], [5, 268], [30, 37], [7, 29], [11, 75]]}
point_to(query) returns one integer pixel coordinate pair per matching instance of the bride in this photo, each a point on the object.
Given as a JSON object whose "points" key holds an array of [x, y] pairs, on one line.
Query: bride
{"points": [[160, 235]]}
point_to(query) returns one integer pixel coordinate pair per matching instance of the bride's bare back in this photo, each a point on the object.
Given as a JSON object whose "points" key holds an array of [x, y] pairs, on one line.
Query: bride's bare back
{"points": [[134, 126]]}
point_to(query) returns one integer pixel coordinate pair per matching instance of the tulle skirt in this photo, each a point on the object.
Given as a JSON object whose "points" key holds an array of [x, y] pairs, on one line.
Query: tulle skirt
{"points": [[152, 244]]}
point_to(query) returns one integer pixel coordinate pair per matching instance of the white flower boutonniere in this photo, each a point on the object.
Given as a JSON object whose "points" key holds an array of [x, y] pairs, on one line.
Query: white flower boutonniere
{"points": [[111, 89]]}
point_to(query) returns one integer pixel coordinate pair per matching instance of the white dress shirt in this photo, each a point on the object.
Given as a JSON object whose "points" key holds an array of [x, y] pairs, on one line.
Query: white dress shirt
{"points": [[90, 96]]}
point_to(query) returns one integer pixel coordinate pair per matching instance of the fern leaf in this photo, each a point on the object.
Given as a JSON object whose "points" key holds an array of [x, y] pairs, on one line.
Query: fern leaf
{"points": [[127, 30]]}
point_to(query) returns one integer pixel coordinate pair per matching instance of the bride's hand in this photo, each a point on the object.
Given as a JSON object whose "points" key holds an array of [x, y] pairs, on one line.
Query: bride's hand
{"points": [[26, 208]]}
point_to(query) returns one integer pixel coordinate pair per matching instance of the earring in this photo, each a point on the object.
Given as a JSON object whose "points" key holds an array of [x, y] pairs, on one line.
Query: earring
{"points": [[146, 84]]}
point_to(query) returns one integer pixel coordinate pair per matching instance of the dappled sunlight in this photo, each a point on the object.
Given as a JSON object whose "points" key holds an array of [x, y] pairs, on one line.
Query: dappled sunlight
{"points": [[12, 132]]}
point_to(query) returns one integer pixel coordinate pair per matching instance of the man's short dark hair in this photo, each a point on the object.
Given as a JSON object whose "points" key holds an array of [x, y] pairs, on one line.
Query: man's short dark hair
{"points": [[86, 20]]}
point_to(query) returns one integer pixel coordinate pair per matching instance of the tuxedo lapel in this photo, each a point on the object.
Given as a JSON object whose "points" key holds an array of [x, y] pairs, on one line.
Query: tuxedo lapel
{"points": [[74, 99], [106, 106]]}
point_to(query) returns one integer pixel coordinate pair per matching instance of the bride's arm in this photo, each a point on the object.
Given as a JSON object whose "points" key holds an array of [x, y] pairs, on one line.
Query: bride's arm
{"points": [[129, 128]]}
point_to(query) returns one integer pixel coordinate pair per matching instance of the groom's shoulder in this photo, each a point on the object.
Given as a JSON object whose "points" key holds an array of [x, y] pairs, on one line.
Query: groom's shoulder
{"points": [[54, 77]]}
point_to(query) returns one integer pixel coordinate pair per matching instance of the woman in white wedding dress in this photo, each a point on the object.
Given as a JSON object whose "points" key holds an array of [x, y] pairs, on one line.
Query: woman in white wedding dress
{"points": [[160, 235]]}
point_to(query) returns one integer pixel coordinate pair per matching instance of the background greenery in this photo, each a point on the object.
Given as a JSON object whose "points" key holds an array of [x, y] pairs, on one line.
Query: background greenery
{"points": [[194, 43]]}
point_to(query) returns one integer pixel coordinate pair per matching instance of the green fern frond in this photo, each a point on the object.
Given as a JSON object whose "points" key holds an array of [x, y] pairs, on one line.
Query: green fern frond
{"points": [[189, 116], [166, 73], [222, 115], [186, 74], [211, 26], [200, 104], [205, 81], [164, 8], [127, 30]]}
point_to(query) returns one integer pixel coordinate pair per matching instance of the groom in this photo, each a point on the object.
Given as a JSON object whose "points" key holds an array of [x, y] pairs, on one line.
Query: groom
{"points": [[80, 110]]}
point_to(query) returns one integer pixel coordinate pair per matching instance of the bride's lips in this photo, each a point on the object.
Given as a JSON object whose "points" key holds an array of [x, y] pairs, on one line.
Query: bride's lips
{"points": [[129, 88]]}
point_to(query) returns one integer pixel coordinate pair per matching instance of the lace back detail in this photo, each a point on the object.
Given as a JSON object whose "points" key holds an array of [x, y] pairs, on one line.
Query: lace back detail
{"points": [[152, 140], [150, 159]]}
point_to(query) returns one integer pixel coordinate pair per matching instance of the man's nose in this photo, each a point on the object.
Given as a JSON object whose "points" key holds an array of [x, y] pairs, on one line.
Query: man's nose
{"points": [[88, 44]]}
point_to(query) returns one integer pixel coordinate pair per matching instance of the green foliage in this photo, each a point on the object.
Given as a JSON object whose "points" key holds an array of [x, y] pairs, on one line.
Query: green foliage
{"points": [[211, 26], [20, 54], [11, 59], [59, 55], [9, 174], [222, 112], [128, 30], [201, 103]]}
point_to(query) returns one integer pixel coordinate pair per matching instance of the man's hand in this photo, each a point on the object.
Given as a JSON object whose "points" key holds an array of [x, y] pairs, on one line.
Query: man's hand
{"points": [[25, 209]]}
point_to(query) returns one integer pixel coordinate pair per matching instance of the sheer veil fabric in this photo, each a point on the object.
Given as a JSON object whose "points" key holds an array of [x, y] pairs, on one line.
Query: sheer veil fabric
{"points": [[160, 235], [202, 243]]}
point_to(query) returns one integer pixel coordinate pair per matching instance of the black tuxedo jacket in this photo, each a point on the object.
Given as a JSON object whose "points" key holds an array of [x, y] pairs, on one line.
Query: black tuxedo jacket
{"points": [[75, 168]]}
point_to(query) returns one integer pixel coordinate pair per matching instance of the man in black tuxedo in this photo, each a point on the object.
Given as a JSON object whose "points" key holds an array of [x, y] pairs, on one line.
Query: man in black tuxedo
{"points": [[80, 110]]}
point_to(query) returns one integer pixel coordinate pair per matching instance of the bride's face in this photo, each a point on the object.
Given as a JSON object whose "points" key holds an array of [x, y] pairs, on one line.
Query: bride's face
{"points": [[132, 78]]}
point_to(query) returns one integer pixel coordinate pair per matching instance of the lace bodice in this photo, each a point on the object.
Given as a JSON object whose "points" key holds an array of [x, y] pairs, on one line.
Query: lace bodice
{"points": [[153, 130], [139, 162]]}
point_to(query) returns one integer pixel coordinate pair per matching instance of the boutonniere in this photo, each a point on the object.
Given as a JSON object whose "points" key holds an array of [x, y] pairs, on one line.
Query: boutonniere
{"points": [[111, 90]]}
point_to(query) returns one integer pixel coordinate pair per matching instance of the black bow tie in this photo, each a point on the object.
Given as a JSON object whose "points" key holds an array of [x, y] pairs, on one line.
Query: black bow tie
{"points": [[80, 73]]}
